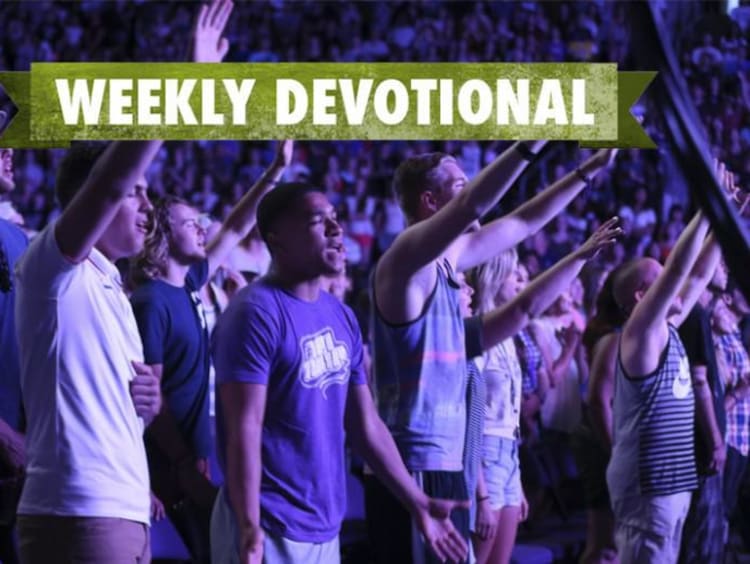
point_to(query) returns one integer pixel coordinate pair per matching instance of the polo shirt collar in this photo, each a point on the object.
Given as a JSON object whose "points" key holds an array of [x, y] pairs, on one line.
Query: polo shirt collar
{"points": [[105, 266]]}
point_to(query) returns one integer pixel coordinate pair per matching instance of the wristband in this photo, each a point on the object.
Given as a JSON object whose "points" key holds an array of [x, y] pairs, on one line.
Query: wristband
{"points": [[483, 498], [526, 153], [585, 179]]}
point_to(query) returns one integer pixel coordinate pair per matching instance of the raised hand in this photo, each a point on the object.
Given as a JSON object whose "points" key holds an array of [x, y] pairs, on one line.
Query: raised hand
{"points": [[605, 157], [208, 44], [284, 151], [438, 530], [604, 236]]}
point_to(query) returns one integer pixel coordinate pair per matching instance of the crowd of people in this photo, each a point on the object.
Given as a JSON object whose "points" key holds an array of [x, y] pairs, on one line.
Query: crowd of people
{"points": [[516, 318]]}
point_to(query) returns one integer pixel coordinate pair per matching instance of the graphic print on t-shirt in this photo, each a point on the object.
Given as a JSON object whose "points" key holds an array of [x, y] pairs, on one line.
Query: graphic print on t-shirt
{"points": [[681, 387], [325, 361]]}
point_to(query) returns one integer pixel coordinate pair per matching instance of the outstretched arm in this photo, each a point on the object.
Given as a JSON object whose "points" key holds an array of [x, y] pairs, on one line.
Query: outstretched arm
{"points": [[242, 218], [118, 172], [117, 175], [699, 277], [540, 294], [405, 275], [645, 334], [425, 241], [371, 438], [478, 247], [710, 254]]}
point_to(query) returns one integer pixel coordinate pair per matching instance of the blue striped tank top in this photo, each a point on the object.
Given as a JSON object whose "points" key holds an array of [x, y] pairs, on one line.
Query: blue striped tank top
{"points": [[653, 452]]}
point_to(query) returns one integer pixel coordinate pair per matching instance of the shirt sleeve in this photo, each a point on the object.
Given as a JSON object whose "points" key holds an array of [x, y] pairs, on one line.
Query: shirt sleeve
{"points": [[245, 343], [153, 321], [358, 375], [43, 268]]}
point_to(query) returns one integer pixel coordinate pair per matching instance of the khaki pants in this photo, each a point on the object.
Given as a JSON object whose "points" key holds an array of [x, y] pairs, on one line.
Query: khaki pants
{"points": [[648, 529], [82, 540]]}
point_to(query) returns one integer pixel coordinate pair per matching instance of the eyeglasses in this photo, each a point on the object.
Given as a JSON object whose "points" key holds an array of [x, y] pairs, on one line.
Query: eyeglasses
{"points": [[6, 277]]}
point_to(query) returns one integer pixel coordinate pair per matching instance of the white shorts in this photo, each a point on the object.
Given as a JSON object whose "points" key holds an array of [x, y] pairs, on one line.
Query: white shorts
{"points": [[276, 550]]}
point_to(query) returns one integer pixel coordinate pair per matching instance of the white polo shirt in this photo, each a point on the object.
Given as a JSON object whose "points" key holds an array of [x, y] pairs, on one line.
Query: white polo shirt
{"points": [[77, 337]]}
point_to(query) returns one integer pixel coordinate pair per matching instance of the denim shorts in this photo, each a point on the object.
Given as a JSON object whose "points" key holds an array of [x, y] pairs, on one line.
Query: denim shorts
{"points": [[502, 472]]}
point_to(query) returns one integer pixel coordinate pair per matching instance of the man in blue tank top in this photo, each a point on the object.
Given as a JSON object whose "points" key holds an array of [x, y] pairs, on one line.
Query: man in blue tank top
{"points": [[419, 360], [652, 472]]}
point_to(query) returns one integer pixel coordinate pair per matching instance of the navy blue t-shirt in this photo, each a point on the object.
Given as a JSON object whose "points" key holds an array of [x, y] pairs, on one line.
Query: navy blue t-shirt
{"points": [[13, 243], [174, 334]]}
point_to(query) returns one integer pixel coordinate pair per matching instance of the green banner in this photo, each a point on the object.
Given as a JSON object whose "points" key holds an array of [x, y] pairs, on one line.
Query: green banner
{"points": [[61, 102]]}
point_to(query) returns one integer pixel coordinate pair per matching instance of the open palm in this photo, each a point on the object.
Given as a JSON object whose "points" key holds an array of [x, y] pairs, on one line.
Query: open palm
{"points": [[208, 44], [438, 530]]}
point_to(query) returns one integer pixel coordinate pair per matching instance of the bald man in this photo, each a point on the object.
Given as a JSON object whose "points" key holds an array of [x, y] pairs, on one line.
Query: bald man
{"points": [[652, 471]]}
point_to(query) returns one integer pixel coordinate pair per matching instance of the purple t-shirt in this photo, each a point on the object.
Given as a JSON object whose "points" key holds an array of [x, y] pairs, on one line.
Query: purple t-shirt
{"points": [[307, 354]]}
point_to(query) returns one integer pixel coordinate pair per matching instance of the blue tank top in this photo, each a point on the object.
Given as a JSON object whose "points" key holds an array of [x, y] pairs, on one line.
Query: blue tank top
{"points": [[653, 449], [420, 379]]}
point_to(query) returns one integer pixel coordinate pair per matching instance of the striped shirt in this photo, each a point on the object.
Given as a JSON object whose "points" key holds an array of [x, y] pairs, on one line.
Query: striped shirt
{"points": [[653, 452], [730, 346], [475, 394]]}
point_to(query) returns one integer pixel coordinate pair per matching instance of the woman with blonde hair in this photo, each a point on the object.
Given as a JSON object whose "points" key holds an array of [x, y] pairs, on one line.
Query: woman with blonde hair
{"points": [[499, 288]]}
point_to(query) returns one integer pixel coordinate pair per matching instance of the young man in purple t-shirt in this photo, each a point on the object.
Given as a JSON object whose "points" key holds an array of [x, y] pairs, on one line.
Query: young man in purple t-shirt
{"points": [[291, 386]]}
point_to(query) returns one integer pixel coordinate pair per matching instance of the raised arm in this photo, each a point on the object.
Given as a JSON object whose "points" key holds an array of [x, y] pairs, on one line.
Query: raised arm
{"points": [[117, 175], [710, 254], [645, 334], [423, 242], [479, 246], [244, 407], [541, 293], [119, 171], [699, 277], [242, 218]]}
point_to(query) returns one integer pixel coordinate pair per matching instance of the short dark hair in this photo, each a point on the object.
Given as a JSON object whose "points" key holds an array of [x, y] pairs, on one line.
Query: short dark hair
{"points": [[414, 176], [75, 167], [279, 201]]}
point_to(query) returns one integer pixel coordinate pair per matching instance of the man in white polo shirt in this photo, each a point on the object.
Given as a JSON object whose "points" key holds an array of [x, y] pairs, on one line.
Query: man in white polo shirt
{"points": [[86, 496]]}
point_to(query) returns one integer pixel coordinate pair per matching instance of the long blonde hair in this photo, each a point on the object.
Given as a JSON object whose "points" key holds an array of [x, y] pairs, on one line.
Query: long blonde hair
{"points": [[487, 278]]}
